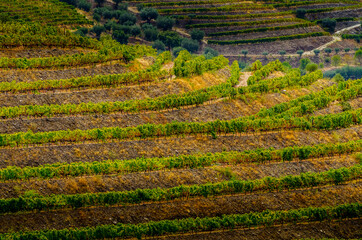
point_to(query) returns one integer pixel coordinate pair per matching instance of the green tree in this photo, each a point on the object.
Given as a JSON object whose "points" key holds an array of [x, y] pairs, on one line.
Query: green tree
{"points": [[120, 36], [135, 30], [159, 45], [98, 29], [170, 39], [316, 52], [329, 24], [147, 14], [311, 67], [127, 18], [303, 63], [197, 35], [100, 2], [300, 53], [244, 52], [165, 23], [282, 53], [151, 34], [190, 45], [328, 51], [347, 50]]}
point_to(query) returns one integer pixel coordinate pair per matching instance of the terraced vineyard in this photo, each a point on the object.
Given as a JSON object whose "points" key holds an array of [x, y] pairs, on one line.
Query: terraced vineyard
{"points": [[103, 140], [233, 26]]}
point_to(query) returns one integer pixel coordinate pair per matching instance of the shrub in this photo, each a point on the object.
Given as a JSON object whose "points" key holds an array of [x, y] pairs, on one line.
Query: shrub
{"points": [[316, 52], [190, 45], [165, 23], [338, 78], [256, 65], [347, 50], [147, 14], [311, 67], [282, 52], [358, 55], [197, 35]]}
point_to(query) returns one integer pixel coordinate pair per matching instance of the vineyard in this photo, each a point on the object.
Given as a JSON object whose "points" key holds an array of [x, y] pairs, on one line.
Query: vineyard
{"points": [[104, 140], [231, 27]]}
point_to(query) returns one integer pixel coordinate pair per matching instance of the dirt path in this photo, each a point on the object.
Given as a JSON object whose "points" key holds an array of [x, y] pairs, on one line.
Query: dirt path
{"points": [[243, 80]]}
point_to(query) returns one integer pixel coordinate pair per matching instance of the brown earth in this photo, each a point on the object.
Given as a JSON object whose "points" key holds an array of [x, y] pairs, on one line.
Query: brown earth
{"points": [[346, 229], [161, 147], [171, 178], [122, 93], [219, 109], [183, 208]]}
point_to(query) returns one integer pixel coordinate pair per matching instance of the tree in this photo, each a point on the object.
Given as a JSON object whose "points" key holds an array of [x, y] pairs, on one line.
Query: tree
{"points": [[300, 13], [282, 53], [120, 36], [151, 34], [311, 67], [190, 45], [336, 60], [135, 30], [177, 50], [210, 53], [265, 54], [98, 29], [358, 55], [127, 18], [303, 63], [328, 51], [244, 52], [86, 6], [197, 35], [116, 3], [347, 50], [147, 14], [337, 50], [170, 39], [165, 23], [316, 52], [99, 2], [96, 17], [329, 24], [300, 52], [140, 6], [159, 45]]}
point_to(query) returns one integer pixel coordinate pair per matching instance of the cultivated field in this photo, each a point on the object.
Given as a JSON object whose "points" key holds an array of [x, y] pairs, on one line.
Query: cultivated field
{"points": [[100, 140]]}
